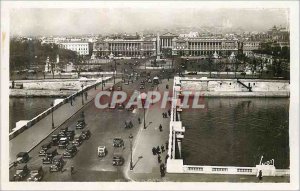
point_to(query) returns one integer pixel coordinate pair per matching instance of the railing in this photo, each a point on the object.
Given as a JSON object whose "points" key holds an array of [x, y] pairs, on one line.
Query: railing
{"points": [[36, 119], [220, 170]]}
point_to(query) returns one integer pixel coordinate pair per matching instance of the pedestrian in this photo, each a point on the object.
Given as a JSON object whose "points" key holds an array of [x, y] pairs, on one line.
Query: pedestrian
{"points": [[167, 86], [71, 101], [72, 169], [169, 112], [130, 124], [260, 176], [167, 145], [166, 115], [162, 149], [160, 128], [86, 95], [158, 159], [154, 151], [139, 119], [166, 159], [158, 150], [126, 125], [163, 114]]}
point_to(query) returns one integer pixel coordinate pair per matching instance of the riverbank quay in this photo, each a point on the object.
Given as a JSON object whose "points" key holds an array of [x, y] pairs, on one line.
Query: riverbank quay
{"points": [[214, 87], [28, 137], [40, 93]]}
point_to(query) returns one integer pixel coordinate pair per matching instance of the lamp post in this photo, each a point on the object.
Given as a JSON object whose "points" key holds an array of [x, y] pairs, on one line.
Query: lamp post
{"points": [[52, 115], [143, 99], [82, 94], [130, 139], [102, 81], [115, 71]]}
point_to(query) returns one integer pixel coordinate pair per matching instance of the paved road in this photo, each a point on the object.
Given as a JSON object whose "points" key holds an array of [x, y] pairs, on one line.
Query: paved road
{"points": [[104, 126], [32, 136]]}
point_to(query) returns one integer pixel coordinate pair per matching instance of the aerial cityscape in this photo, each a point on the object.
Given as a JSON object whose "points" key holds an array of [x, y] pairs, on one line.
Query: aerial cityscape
{"points": [[149, 95]]}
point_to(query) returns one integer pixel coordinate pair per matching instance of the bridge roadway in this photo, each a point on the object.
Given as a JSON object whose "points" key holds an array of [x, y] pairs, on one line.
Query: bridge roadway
{"points": [[104, 126]]}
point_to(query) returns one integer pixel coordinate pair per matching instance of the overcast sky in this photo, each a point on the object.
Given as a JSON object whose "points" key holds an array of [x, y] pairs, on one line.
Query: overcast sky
{"points": [[37, 21]]}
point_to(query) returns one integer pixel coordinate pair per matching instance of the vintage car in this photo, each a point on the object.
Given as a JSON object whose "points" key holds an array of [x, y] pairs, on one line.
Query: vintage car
{"points": [[78, 139], [120, 106], [80, 124], [21, 172], [70, 135], [50, 153], [57, 164], [71, 150], [22, 157], [63, 130], [44, 148], [102, 151], [118, 160], [119, 88], [63, 142], [131, 108], [55, 139], [36, 174], [118, 142], [86, 134]]}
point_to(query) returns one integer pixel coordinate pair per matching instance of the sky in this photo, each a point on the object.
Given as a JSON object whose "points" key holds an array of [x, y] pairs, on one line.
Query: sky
{"points": [[70, 21]]}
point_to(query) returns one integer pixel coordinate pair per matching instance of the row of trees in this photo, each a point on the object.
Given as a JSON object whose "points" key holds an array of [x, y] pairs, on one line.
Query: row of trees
{"points": [[27, 53]]}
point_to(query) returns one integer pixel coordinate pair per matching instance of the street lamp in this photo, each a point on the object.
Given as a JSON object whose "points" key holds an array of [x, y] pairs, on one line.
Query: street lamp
{"points": [[143, 99], [130, 139], [102, 81], [115, 71], [82, 93], [52, 115]]}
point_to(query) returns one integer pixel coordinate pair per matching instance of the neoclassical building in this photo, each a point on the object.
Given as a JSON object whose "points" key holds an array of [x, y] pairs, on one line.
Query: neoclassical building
{"points": [[166, 44]]}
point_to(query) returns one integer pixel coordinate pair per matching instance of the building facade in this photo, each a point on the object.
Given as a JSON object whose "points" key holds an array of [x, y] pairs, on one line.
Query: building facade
{"points": [[249, 46], [81, 47], [167, 44], [124, 48]]}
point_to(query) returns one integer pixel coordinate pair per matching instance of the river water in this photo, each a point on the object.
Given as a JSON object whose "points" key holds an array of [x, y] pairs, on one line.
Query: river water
{"points": [[26, 108], [237, 132]]}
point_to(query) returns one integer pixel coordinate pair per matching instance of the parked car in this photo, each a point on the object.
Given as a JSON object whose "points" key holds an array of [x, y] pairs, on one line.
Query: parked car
{"points": [[118, 160], [22, 157], [55, 140], [80, 124], [118, 142], [120, 106], [36, 173], [21, 172], [142, 87], [57, 165], [119, 88], [50, 154], [71, 150], [70, 135], [78, 139], [86, 134], [102, 151], [64, 130], [44, 148], [63, 142]]}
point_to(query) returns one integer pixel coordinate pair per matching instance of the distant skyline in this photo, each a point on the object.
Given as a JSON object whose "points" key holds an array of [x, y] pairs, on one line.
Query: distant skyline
{"points": [[43, 21]]}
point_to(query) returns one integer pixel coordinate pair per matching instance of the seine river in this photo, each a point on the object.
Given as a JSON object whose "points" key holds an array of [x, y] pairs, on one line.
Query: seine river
{"points": [[26, 108], [237, 132]]}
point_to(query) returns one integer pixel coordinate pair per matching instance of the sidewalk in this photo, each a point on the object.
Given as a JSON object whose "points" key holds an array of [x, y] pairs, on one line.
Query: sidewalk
{"points": [[36, 133], [146, 166]]}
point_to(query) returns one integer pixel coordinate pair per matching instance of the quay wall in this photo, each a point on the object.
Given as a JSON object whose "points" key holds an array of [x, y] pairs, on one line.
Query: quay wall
{"points": [[40, 93], [30, 123], [234, 88]]}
